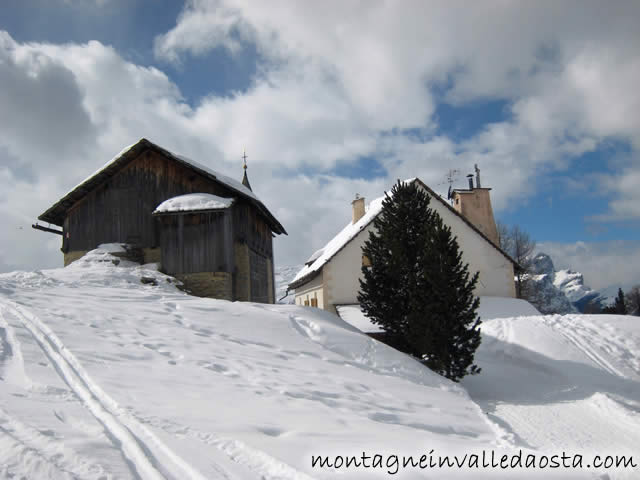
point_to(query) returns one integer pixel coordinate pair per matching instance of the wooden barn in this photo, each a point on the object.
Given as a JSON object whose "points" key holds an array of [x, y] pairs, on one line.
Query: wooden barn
{"points": [[208, 230]]}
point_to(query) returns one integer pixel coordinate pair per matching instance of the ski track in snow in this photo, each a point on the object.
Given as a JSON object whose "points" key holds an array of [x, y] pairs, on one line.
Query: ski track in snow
{"points": [[596, 346], [136, 447], [575, 335], [23, 446], [263, 465], [566, 413], [136, 442]]}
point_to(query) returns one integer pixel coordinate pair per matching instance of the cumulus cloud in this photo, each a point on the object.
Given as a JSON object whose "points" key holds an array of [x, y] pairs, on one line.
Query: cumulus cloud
{"points": [[568, 80], [336, 82]]}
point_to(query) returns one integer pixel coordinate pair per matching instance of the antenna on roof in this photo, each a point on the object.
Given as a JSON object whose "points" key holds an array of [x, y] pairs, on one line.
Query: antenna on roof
{"points": [[477, 175], [452, 176]]}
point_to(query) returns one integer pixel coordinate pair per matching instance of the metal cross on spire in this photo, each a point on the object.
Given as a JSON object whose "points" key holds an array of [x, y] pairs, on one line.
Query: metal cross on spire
{"points": [[245, 178]]}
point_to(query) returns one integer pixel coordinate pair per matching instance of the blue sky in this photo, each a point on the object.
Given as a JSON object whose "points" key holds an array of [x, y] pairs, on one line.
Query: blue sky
{"points": [[334, 101]]}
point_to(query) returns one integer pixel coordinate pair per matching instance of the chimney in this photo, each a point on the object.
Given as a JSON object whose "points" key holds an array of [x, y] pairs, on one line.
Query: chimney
{"points": [[470, 177], [475, 205], [357, 209]]}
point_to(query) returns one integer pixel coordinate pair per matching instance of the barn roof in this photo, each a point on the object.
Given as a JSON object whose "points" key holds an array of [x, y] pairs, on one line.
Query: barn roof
{"points": [[314, 265], [58, 211]]}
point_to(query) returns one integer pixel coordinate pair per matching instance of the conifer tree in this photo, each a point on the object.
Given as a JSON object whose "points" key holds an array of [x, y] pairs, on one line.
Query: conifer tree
{"points": [[620, 304], [417, 288]]}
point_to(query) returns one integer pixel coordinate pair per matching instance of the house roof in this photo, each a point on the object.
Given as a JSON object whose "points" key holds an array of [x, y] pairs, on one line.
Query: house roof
{"points": [[193, 202], [314, 265], [58, 211]]}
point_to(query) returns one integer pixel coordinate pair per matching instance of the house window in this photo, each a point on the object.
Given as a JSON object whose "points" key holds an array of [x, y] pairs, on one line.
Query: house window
{"points": [[314, 302], [306, 302], [365, 261]]}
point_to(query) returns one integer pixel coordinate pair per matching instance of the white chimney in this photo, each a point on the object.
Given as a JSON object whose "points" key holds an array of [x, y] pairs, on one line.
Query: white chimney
{"points": [[357, 209]]}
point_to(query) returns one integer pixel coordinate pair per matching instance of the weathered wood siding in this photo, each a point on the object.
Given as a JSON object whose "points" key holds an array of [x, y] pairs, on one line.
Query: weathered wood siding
{"points": [[250, 228], [200, 242], [259, 277], [120, 209]]}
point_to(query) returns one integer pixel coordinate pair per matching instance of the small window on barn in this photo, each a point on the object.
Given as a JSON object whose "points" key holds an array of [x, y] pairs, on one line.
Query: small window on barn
{"points": [[457, 201], [365, 261]]}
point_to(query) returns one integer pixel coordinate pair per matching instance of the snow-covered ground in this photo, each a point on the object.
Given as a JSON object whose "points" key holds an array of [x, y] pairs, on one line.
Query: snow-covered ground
{"points": [[567, 382], [102, 376]]}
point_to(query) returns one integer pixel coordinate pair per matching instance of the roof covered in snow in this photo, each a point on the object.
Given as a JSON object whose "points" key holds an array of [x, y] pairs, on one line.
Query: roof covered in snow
{"points": [[56, 213], [194, 202], [315, 263]]}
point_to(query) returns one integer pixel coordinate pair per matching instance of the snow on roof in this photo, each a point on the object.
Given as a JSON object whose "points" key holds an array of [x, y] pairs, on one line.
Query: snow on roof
{"points": [[314, 256], [341, 239], [194, 201], [351, 230], [230, 182], [55, 214]]}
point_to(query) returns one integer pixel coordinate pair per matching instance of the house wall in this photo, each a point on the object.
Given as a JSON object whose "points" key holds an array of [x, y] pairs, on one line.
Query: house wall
{"points": [[314, 289], [343, 272]]}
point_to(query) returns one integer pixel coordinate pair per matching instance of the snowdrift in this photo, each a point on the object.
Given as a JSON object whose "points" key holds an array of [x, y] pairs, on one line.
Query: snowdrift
{"points": [[106, 377], [563, 383], [107, 370]]}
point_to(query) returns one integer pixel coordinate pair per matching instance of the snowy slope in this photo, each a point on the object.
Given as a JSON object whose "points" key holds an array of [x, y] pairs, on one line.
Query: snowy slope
{"points": [[568, 382], [104, 377]]}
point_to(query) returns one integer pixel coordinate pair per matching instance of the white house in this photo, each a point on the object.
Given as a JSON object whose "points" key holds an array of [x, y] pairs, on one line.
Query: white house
{"points": [[330, 278]]}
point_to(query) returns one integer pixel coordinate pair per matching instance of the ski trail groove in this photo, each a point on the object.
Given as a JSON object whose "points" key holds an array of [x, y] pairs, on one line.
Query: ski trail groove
{"points": [[24, 444], [574, 337], [116, 421]]}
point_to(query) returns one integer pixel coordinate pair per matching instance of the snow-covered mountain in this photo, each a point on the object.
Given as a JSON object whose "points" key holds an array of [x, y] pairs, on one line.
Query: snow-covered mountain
{"points": [[544, 293], [110, 372], [561, 291], [284, 276]]}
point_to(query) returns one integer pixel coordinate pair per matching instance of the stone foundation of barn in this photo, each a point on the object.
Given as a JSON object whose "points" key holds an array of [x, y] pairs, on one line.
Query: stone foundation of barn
{"points": [[208, 284]]}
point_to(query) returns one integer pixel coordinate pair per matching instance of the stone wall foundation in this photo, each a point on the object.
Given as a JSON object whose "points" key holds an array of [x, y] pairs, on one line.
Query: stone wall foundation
{"points": [[208, 284]]}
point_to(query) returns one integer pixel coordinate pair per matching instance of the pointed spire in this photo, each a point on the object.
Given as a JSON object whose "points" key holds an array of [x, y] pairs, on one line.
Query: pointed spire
{"points": [[245, 179]]}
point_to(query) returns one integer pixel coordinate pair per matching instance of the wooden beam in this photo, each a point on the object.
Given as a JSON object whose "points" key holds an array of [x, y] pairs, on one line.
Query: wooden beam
{"points": [[45, 229]]}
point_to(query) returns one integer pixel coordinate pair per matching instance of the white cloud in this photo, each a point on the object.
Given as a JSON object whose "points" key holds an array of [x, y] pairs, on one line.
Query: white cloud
{"points": [[336, 82], [603, 264], [570, 80]]}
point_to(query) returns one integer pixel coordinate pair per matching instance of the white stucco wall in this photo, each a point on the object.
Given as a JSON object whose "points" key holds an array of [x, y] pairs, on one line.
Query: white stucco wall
{"points": [[312, 289], [343, 271]]}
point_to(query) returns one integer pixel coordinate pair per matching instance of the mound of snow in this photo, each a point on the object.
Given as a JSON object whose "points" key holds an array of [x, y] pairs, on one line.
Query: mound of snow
{"points": [[490, 307], [568, 382], [105, 377], [501, 307]]}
